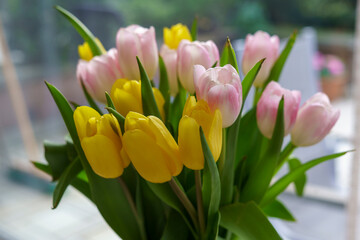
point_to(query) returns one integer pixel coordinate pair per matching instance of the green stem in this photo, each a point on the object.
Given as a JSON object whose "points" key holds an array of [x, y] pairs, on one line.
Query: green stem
{"points": [[185, 201], [222, 157], [199, 201], [284, 155], [133, 207]]}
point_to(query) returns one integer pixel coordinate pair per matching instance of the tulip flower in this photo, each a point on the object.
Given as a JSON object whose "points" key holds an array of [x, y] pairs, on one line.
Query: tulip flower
{"points": [[267, 107], [151, 148], [196, 115], [101, 140], [259, 46], [126, 95], [174, 35], [314, 121], [170, 60], [85, 52], [133, 41], [192, 53], [99, 74], [221, 88]]}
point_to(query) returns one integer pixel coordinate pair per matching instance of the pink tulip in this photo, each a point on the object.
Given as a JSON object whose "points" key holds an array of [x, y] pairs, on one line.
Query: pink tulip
{"points": [[259, 46], [170, 59], [268, 104], [99, 74], [314, 121], [221, 88], [133, 41], [192, 53]]}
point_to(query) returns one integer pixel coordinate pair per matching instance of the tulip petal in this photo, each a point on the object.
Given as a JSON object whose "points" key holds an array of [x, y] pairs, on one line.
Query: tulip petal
{"points": [[214, 138], [81, 116]]}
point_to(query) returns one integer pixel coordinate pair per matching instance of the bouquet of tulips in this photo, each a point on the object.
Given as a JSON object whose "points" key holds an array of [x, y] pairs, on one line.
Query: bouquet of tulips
{"points": [[179, 158]]}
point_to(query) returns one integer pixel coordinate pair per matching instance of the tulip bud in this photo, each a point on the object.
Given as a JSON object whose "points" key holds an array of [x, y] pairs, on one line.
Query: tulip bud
{"points": [[170, 59], [151, 148], [192, 53], [126, 95], [314, 121], [101, 140], [133, 41], [221, 88], [196, 115], [259, 46], [174, 35], [267, 107], [85, 52], [99, 74]]}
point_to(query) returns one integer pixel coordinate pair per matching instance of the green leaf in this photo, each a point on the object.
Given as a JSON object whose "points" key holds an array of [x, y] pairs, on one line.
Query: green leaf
{"points": [[228, 55], [119, 117], [176, 109], [278, 210], [147, 96], [175, 226], [57, 157], [214, 65], [107, 194], [260, 177], [90, 100], [250, 78], [283, 182], [82, 30], [211, 189], [164, 87], [109, 101], [279, 64], [66, 178], [42, 167], [194, 29], [247, 221], [301, 180]]}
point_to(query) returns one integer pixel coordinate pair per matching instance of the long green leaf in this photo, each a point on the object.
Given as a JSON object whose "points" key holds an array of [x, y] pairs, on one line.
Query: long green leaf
{"points": [[66, 178], [57, 157], [82, 30], [228, 55], [175, 226], [194, 29], [109, 101], [247, 221], [283, 182], [90, 100], [250, 78], [211, 189], [147, 96], [278, 210], [176, 109], [279, 64], [301, 180], [107, 194], [262, 174], [164, 87]]}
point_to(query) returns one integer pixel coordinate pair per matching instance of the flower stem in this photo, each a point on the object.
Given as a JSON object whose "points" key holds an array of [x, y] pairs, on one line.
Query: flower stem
{"points": [[133, 207], [199, 201], [185, 201], [222, 157], [284, 155]]}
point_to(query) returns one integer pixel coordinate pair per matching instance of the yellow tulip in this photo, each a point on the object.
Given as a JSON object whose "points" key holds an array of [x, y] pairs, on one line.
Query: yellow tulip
{"points": [[151, 148], [174, 35], [196, 114], [85, 51], [126, 95], [101, 140]]}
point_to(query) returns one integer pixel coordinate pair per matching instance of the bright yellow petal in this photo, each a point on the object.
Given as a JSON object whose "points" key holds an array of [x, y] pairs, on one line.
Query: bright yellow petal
{"points": [[103, 156], [85, 52], [118, 84], [125, 102], [159, 101], [190, 144], [108, 126], [81, 116], [167, 36], [148, 159], [214, 138], [189, 105]]}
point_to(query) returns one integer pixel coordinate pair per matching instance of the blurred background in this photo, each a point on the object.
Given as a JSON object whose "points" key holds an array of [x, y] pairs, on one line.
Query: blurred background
{"points": [[43, 46]]}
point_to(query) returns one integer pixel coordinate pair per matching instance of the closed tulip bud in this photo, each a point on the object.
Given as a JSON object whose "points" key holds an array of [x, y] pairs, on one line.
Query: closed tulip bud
{"points": [[151, 148], [259, 46], [126, 95], [133, 41], [314, 121], [99, 74], [267, 107], [196, 115], [221, 88], [174, 35], [193, 53], [170, 59], [101, 140], [85, 52]]}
